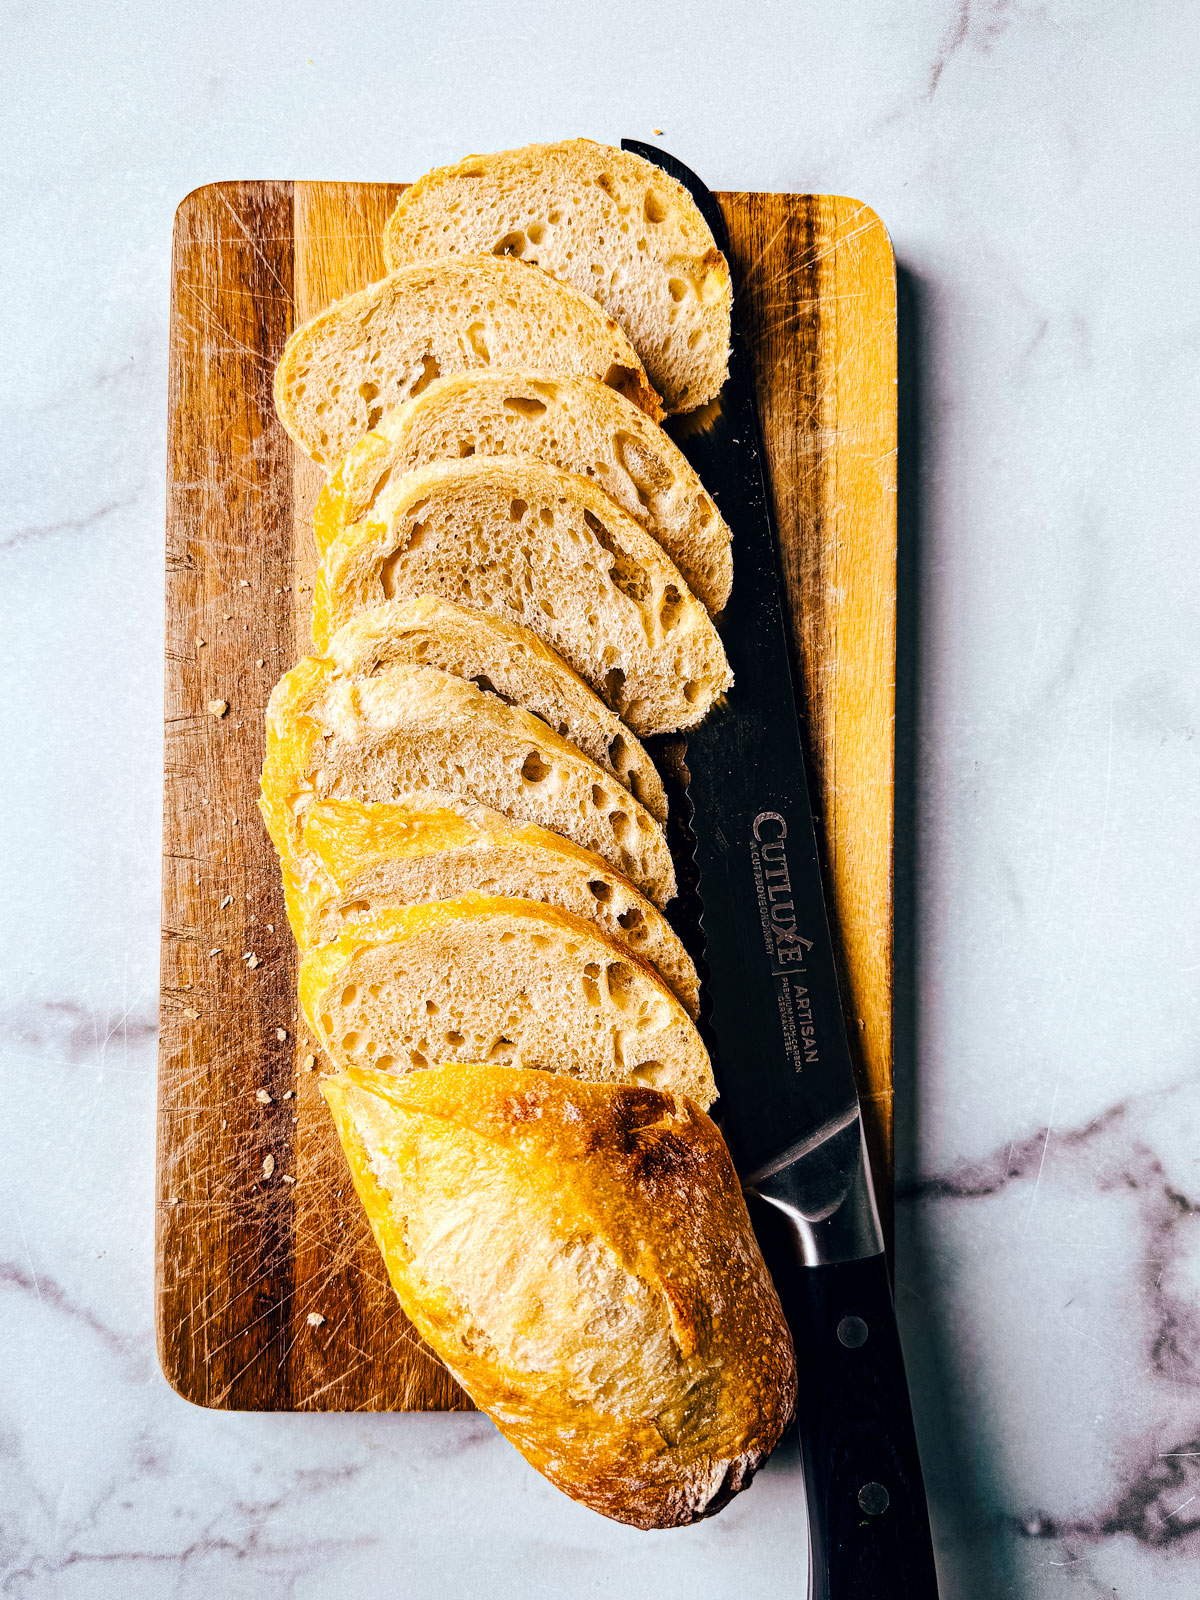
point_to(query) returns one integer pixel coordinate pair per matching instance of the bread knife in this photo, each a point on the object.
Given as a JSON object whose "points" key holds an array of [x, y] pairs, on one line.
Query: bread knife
{"points": [[789, 1104]]}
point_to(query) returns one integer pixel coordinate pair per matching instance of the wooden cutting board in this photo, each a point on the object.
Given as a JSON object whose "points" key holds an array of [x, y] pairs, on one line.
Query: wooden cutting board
{"points": [[271, 1294]]}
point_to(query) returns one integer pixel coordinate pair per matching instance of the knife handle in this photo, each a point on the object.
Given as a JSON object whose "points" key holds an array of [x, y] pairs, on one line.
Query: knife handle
{"points": [[868, 1522]]}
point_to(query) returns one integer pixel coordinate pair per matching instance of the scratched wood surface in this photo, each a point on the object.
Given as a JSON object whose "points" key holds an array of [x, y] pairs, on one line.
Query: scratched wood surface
{"points": [[270, 1292]]}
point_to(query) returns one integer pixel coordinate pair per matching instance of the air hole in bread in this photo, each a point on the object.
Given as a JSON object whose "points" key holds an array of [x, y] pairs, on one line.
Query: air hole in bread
{"points": [[380, 484], [647, 473], [591, 985], [604, 181], [601, 891], [350, 1042], [385, 1063], [619, 981], [598, 795], [691, 691], [478, 343], [547, 516], [373, 989], [368, 391], [676, 288], [517, 509], [693, 338], [651, 1073], [631, 920], [465, 449], [486, 684], [614, 687], [431, 1008], [624, 572], [429, 371], [455, 1039], [419, 1061], [326, 1023], [373, 416], [534, 769], [535, 232], [704, 510], [540, 941], [507, 937], [547, 609], [525, 405], [670, 608], [654, 209], [618, 821], [349, 994], [512, 244]]}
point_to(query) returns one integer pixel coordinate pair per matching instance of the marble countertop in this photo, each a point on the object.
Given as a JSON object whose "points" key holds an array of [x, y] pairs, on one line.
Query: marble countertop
{"points": [[1035, 163]]}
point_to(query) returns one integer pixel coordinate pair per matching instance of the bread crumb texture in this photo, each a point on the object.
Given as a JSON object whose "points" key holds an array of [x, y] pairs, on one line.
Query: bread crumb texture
{"points": [[580, 1257], [577, 424], [516, 982], [525, 542], [609, 222], [345, 368]]}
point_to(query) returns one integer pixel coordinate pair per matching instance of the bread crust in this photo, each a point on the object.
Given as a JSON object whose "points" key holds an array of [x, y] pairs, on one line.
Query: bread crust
{"points": [[605, 220], [601, 1296], [367, 352], [523, 541], [360, 858], [577, 424]]}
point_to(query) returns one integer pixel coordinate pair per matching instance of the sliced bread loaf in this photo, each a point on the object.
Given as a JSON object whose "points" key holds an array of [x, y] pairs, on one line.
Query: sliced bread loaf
{"points": [[609, 222], [511, 662], [519, 539], [515, 982], [361, 859], [408, 730], [578, 424], [347, 366], [581, 1258]]}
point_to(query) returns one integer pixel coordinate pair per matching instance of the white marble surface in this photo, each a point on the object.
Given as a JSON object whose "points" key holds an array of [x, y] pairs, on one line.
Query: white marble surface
{"points": [[1036, 164]]}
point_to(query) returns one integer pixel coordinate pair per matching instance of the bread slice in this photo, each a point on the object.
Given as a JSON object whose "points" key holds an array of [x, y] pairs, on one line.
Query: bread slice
{"points": [[511, 662], [347, 366], [409, 730], [516, 982], [609, 222], [519, 539], [580, 1257], [578, 424], [361, 859]]}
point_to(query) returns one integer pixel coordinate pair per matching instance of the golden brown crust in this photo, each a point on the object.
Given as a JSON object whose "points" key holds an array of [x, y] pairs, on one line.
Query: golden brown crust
{"points": [[634, 1190]]}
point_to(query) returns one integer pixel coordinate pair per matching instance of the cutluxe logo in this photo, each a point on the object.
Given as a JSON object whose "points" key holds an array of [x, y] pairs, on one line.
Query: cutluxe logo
{"points": [[785, 944]]}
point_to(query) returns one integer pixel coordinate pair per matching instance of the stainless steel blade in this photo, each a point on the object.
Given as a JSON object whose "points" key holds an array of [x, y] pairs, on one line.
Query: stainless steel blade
{"points": [[789, 1102]]}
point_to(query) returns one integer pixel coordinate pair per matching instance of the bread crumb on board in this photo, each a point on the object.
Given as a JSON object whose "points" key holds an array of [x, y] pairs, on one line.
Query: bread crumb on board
{"points": [[268, 1166], [314, 1319], [264, 1096], [218, 708]]}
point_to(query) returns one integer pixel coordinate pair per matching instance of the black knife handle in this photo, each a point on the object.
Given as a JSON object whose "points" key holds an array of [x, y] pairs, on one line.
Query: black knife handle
{"points": [[867, 1518]]}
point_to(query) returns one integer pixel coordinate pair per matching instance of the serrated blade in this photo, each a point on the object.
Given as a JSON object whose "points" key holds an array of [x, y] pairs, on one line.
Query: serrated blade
{"points": [[782, 1057]]}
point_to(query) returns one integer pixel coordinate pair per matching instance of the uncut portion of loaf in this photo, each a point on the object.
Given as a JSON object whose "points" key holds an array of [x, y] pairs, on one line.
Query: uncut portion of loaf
{"points": [[580, 1257], [409, 730], [511, 662], [360, 859], [515, 982], [347, 366], [609, 222], [518, 539], [578, 424]]}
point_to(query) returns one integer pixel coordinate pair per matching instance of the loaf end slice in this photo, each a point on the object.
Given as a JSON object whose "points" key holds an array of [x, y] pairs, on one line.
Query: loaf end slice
{"points": [[580, 1257]]}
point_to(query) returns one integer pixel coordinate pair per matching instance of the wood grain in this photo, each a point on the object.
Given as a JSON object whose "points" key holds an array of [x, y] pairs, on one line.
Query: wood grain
{"points": [[245, 1255]]}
